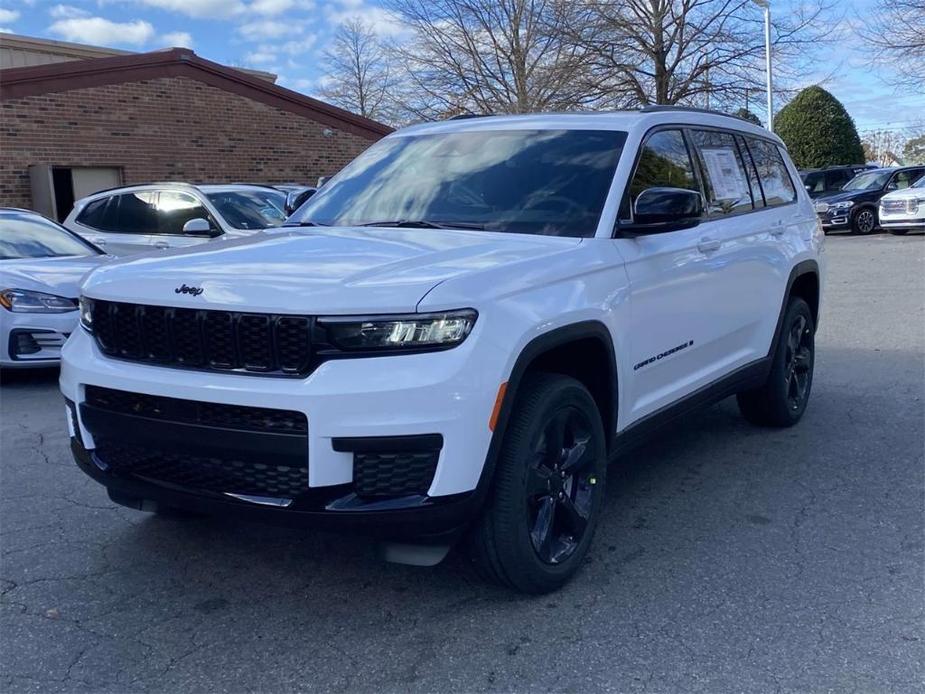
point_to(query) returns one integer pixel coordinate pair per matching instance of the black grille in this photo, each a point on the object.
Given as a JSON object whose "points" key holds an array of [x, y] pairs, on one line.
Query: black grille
{"points": [[205, 473], [204, 339], [194, 412], [393, 474]]}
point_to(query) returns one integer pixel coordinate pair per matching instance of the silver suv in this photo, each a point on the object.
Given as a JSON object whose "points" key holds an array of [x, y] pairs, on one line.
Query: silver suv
{"points": [[173, 215]]}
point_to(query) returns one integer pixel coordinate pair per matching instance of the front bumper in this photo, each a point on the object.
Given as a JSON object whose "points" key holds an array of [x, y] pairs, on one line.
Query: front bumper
{"points": [[902, 223], [839, 220], [33, 339], [448, 395]]}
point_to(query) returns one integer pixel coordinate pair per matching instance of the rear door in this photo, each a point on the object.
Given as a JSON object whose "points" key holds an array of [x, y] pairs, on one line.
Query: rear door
{"points": [[120, 224]]}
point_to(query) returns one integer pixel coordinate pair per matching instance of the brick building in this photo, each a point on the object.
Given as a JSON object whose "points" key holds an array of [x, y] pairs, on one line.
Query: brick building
{"points": [[78, 126]]}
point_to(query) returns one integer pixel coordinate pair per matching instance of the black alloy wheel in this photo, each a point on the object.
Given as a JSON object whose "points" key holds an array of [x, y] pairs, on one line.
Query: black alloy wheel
{"points": [[560, 485], [547, 491], [798, 362]]}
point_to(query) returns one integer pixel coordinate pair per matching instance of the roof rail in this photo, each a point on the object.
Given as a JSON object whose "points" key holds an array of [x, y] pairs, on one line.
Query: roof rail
{"points": [[663, 108], [464, 116]]}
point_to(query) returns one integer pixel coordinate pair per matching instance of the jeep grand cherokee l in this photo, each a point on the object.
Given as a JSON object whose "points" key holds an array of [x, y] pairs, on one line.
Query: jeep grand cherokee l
{"points": [[457, 333]]}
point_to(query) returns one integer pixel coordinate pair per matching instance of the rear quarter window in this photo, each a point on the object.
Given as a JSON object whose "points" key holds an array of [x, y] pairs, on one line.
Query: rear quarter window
{"points": [[772, 172], [99, 214]]}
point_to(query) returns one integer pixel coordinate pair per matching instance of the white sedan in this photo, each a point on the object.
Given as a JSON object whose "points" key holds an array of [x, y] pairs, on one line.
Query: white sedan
{"points": [[904, 210], [41, 266]]}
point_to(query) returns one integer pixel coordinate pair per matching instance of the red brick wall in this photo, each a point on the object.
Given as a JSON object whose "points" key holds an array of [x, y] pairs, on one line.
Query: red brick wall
{"points": [[172, 128]]}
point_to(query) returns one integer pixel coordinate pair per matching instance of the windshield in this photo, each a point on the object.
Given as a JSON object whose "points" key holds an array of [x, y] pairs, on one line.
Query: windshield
{"points": [[551, 182], [868, 181], [251, 209], [919, 183], [24, 235]]}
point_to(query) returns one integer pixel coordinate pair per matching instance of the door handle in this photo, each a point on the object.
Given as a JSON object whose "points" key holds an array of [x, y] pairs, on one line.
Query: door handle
{"points": [[777, 228], [708, 245], [161, 244], [96, 241]]}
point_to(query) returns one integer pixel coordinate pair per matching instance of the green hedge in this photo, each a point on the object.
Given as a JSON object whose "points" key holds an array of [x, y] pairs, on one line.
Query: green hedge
{"points": [[818, 131]]}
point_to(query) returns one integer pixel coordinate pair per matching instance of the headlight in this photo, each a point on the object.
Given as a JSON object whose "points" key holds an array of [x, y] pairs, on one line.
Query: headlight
{"points": [[415, 331], [86, 314], [841, 205], [26, 301]]}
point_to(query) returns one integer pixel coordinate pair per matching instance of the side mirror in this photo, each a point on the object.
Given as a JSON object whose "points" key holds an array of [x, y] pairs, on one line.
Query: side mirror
{"points": [[296, 198], [197, 226], [658, 210], [322, 180]]}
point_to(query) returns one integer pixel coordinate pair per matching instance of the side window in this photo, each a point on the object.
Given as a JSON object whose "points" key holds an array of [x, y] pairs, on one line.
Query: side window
{"points": [[137, 212], [757, 194], [174, 209], [775, 179], [725, 178], [904, 179], [834, 180], [815, 183], [100, 214], [663, 162]]}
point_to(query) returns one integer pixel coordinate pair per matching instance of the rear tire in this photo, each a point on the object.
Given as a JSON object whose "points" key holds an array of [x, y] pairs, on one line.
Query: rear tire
{"points": [[781, 401], [548, 488]]}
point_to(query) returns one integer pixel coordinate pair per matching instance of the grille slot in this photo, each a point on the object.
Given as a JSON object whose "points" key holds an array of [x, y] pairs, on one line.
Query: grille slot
{"points": [[205, 339], [211, 414], [206, 473], [393, 474]]}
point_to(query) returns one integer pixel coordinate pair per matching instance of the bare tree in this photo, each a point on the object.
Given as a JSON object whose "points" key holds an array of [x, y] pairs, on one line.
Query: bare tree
{"points": [[358, 74], [490, 56], [895, 29], [692, 51], [884, 146]]}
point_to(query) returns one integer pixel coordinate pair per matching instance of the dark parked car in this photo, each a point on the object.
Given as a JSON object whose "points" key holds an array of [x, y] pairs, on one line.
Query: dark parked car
{"points": [[854, 207], [822, 182]]}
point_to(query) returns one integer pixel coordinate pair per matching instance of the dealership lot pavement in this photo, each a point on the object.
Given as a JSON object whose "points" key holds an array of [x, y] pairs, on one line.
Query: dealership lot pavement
{"points": [[730, 558]]}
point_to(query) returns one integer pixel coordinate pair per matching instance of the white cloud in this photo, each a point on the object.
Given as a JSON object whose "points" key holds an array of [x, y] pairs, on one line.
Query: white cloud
{"points": [[67, 12], [212, 9], [177, 38], [8, 15], [5, 30], [381, 21], [267, 29], [271, 7], [260, 57], [299, 46], [96, 30]]}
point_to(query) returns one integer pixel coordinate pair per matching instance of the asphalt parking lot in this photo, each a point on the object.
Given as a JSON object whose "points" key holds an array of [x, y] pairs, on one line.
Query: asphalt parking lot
{"points": [[729, 558]]}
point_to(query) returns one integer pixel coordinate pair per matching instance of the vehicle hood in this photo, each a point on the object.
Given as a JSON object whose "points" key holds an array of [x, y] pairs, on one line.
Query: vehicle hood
{"points": [[317, 271], [905, 194], [849, 195], [60, 276]]}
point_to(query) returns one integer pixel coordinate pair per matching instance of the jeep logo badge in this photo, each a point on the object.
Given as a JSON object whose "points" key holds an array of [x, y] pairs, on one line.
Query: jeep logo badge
{"points": [[184, 289]]}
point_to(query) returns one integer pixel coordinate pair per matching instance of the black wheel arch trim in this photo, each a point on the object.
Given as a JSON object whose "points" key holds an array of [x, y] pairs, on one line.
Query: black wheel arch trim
{"points": [[805, 267], [557, 337]]}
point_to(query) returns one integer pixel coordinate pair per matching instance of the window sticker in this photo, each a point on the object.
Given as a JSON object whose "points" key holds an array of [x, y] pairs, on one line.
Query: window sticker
{"points": [[725, 175]]}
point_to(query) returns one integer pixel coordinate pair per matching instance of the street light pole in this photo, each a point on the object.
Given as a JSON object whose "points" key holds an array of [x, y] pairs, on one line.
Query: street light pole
{"points": [[767, 58]]}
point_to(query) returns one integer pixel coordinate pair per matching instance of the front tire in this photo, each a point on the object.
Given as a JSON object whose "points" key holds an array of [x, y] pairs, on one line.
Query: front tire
{"points": [[781, 401], [864, 221], [548, 488]]}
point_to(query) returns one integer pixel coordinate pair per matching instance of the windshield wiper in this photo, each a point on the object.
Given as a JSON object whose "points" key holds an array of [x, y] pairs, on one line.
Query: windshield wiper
{"points": [[307, 223], [424, 224]]}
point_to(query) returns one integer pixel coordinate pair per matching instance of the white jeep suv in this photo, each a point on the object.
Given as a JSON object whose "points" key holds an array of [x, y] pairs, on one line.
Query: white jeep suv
{"points": [[457, 333]]}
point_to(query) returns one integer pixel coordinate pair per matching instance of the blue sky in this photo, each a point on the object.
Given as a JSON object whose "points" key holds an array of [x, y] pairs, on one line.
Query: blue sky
{"points": [[287, 37]]}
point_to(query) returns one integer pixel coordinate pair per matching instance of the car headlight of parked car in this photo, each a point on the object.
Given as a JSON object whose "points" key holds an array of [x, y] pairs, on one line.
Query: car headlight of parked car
{"points": [[841, 205], [86, 314], [421, 332], [27, 301]]}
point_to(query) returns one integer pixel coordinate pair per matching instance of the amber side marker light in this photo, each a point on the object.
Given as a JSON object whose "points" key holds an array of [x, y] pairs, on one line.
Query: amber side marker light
{"points": [[496, 410]]}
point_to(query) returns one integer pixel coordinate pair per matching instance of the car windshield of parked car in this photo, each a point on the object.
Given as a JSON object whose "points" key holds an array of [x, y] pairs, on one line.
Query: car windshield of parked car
{"points": [[30, 236], [551, 182], [919, 183], [250, 209], [868, 181]]}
